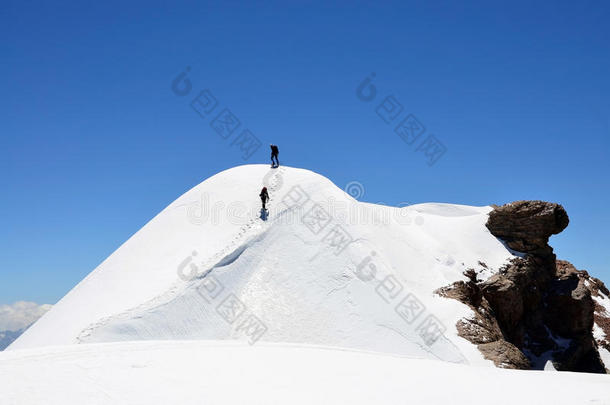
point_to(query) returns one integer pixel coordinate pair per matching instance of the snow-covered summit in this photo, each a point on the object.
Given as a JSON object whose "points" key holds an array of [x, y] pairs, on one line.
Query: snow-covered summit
{"points": [[318, 268]]}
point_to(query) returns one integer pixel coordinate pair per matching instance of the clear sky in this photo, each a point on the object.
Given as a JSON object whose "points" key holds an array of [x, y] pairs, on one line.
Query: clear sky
{"points": [[94, 142]]}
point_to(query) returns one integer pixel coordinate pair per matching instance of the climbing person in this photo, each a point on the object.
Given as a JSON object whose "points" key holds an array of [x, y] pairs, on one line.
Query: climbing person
{"points": [[274, 152], [264, 195]]}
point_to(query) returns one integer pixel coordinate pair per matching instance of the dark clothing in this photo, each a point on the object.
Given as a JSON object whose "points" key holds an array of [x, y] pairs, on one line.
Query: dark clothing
{"points": [[264, 196], [274, 153]]}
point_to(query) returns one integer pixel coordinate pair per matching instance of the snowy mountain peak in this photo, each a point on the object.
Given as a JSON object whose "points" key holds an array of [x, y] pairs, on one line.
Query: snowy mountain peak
{"points": [[318, 268]]}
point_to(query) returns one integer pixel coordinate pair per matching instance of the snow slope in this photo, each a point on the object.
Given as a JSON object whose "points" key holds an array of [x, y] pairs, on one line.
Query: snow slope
{"points": [[209, 372], [209, 267]]}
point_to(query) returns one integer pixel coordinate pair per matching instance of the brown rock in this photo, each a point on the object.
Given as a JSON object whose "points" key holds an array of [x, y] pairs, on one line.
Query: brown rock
{"points": [[569, 307], [505, 355], [466, 292], [505, 297], [534, 304], [482, 328], [526, 226]]}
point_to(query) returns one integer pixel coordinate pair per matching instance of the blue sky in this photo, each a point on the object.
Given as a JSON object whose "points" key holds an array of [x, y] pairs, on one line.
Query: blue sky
{"points": [[94, 143]]}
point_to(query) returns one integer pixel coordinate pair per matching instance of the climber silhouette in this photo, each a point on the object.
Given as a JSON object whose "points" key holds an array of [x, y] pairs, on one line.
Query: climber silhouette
{"points": [[274, 153], [264, 195]]}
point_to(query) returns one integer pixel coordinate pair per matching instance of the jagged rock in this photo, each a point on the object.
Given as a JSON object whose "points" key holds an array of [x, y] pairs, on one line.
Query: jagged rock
{"points": [[583, 312], [598, 286], [471, 274], [570, 307], [505, 298], [580, 355], [505, 355], [514, 293], [464, 292], [534, 304], [482, 329], [565, 269], [602, 320], [479, 330], [601, 317], [526, 226]]}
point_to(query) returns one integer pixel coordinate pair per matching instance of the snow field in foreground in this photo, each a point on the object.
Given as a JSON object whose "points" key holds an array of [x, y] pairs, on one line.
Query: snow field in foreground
{"points": [[214, 372]]}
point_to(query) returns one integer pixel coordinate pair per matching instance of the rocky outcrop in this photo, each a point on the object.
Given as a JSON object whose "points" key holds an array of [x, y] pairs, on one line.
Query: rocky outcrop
{"points": [[535, 308], [505, 355], [525, 226], [483, 329]]}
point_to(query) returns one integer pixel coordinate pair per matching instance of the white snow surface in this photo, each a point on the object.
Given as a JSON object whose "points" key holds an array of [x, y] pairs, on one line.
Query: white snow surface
{"points": [[208, 372], [598, 333], [604, 354], [287, 282]]}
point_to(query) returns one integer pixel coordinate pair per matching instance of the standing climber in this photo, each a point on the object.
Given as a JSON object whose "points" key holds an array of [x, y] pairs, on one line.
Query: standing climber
{"points": [[274, 152], [264, 197]]}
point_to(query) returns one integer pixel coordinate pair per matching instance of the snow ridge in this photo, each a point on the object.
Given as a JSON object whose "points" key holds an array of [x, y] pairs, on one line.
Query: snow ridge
{"points": [[283, 275]]}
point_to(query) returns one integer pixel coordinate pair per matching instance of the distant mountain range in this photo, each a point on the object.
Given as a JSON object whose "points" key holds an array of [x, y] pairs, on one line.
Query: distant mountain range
{"points": [[7, 337], [17, 318]]}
